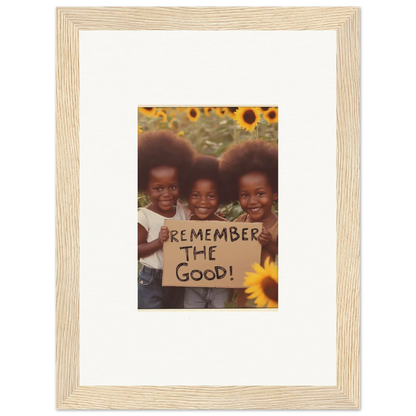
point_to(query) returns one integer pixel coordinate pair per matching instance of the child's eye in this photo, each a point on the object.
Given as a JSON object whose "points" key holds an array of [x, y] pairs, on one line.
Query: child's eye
{"points": [[260, 193], [157, 189], [211, 196], [173, 187], [195, 195], [244, 195]]}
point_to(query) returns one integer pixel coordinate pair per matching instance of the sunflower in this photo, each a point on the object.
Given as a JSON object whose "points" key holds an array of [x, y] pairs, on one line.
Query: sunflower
{"points": [[148, 111], [193, 113], [271, 115], [247, 117], [174, 124], [231, 112], [221, 111], [139, 129], [162, 113], [263, 285], [181, 133], [207, 111], [263, 109]]}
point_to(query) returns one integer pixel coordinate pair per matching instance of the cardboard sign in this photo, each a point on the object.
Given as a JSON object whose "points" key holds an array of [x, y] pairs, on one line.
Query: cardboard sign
{"points": [[209, 253]]}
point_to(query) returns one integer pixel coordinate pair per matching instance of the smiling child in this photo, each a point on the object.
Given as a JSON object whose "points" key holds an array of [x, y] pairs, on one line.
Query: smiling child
{"points": [[204, 195], [250, 171], [164, 161]]}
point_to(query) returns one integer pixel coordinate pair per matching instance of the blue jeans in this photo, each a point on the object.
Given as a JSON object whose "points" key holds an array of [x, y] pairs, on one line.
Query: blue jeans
{"points": [[151, 293], [204, 297]]}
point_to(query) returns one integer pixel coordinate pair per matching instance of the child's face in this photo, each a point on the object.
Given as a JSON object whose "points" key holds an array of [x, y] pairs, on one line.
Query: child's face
{"points": [[203, 199], [256, 195], [163, 187]]}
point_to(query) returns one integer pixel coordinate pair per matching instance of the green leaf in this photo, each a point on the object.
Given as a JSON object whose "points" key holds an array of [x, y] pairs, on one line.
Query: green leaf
{"points": [[263, 122]]}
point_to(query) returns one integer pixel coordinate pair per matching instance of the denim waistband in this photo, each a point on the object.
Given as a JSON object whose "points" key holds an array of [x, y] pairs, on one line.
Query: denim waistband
{"points": [[152, 272]]}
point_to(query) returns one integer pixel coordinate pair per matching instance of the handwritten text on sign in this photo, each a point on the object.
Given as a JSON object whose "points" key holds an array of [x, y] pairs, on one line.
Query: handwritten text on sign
{"points": [[209, 253]]}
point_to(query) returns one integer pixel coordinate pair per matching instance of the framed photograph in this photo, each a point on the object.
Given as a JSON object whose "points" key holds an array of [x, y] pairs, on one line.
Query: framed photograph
{"points": [[232, 137], [208, 207]]}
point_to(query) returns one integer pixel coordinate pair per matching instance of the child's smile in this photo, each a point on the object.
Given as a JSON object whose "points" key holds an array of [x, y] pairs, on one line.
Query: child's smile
{"points": [[203, 199], [163, 189], [256, 195]]}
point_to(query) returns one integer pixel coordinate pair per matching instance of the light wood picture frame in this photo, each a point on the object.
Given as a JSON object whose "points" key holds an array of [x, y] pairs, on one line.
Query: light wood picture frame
{"points": [[69, 393]]}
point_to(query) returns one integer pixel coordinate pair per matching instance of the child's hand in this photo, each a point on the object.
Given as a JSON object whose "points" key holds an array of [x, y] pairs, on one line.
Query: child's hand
{"points": [[264, 237], [221, 214], [163, 234]]}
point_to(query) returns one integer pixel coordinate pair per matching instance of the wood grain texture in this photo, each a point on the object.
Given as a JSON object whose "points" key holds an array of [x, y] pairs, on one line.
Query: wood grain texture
{"points": [[67, 208], [207, 18], [348, 207], [70, 395], [211, 397]]}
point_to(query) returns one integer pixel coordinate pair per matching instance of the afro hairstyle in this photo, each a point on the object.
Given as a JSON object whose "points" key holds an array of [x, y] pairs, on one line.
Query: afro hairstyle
{"points": [[249, 156], [163, 148], [205, 167]]}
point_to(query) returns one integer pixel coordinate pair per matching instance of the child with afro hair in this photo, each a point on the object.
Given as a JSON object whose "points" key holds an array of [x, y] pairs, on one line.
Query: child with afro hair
{"points": [[205, 193], [250, 172], [164, 162], [204, 189]]}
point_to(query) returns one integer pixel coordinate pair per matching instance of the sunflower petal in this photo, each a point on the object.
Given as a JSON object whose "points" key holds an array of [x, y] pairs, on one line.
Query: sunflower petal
{"points": [[267, 263], [269, 266], [270, 270], [255, 277], [252, 289], [273, 273], [259, 269], [272, 304], [251, 281], [261, 301], [254, 295]]}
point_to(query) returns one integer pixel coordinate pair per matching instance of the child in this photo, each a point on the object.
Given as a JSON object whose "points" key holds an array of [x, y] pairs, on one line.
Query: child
{"points": [[164, 161], [204, 195], [250, 171]]}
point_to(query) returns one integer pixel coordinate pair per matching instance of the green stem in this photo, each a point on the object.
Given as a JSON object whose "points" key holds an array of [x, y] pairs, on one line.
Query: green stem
{"points": [[235, 132]]}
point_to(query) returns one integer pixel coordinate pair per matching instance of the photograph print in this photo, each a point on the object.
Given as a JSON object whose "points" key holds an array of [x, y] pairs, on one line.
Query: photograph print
{"points": [[207, 207]]}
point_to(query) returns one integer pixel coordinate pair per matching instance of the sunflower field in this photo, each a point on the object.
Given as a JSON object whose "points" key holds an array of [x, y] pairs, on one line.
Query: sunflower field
{"points": [[211, 130]]}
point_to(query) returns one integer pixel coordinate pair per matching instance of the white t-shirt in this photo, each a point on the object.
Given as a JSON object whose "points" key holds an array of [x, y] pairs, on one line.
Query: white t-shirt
{"points": [[152, 222]]}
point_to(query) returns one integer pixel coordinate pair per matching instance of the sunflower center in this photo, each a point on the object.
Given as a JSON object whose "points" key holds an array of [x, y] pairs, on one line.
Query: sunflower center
{"points": [[249, 116], [193, 113], [148, 108], [264, 108], [232, 109], [270, 288], [272, 114]]}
